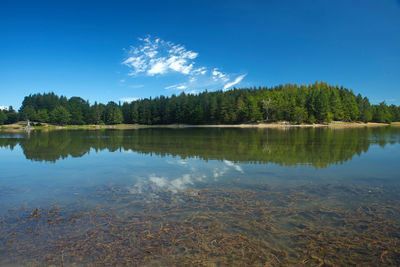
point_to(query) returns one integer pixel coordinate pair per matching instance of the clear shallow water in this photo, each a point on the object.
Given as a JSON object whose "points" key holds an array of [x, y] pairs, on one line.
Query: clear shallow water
{"points": [[187, 195]]}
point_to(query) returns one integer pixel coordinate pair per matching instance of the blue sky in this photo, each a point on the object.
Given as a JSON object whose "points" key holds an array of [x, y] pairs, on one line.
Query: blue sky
{"points": [[113, 50]]}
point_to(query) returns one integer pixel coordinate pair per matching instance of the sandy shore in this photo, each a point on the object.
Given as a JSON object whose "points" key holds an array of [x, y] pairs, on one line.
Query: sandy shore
{"points": [[286, 125]]}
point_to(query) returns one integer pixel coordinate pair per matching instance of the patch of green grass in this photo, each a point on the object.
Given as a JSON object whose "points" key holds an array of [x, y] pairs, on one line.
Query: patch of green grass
{"points": [[79, 126], [42, 127]]}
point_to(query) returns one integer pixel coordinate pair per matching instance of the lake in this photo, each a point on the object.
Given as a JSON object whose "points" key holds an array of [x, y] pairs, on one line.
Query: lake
{"points": [[200, 196]]}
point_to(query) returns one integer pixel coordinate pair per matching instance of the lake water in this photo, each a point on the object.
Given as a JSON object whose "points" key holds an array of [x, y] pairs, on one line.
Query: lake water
{"points": [[200, 196]]}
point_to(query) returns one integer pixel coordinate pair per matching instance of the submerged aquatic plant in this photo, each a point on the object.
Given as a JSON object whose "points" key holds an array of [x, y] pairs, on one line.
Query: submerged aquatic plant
{"points": [[252, 225]]}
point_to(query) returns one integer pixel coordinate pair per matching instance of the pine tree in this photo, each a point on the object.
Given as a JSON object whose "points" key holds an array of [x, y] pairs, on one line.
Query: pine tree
{"points": [[3, 117], [60, 115]]}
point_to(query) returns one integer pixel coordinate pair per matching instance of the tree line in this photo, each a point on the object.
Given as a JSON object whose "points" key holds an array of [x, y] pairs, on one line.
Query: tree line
{"points": [[313, 103]]}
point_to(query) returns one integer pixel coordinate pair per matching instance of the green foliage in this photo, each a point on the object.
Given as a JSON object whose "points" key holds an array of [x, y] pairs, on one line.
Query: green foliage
{"points": [[113, 113], [318, 102], [28, 113], [395, 111], [3, 117], [60, 115], [312, 119], [300, 114], [381, 113], [43, 115], [77, 108], [94, 114], [12, 115], [365, 110]]}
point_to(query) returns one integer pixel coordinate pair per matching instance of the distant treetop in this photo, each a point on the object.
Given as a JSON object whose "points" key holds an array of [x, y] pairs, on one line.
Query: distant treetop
{"points": [[318, 102]]}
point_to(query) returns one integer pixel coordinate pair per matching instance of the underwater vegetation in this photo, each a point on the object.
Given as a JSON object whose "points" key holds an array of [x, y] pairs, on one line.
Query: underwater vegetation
{"points": [[249, 225]]}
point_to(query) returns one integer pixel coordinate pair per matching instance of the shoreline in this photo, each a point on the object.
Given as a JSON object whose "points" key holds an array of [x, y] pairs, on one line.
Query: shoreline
{"points": [[293, 125], [19, 127]]}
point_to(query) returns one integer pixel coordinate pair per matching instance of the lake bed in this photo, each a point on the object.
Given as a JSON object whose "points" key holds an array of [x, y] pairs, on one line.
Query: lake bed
{"points": [[200, 196]]}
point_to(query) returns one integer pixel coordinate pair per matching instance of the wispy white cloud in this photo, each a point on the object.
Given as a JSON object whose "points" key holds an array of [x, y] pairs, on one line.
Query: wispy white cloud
{"points": [[221, 170], [159, 181], [217, 75], [175, 185], [3, 108], [218, 172], [136, 86], [201, 70], [236, 81], [181, 162], [156, 57], [235, 166], [128, 99], [176, 87]]}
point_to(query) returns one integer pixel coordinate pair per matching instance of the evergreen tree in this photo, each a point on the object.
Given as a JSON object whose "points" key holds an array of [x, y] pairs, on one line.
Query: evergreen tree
{"points": [[43, 115], [318, 102], [113, 113], [381, 113], [94, 116], [365, 110], [300, 115], [28, 113], [60, 115], [12, 115], [3, 117]]}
